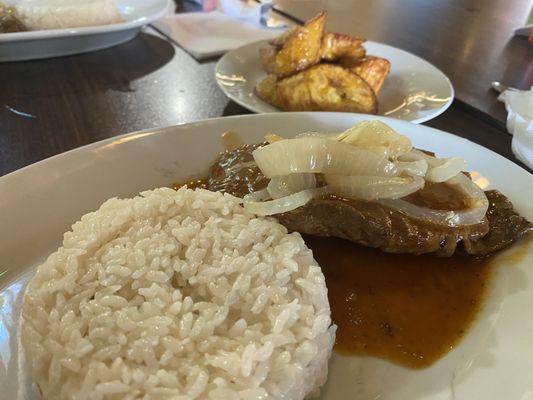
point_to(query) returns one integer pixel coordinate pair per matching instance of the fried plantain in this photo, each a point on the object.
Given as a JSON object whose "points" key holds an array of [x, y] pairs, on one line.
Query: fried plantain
{"points": [[267, 55], [324, 87], [267, 89], [301, 49], [373, 70], [343, 48]]}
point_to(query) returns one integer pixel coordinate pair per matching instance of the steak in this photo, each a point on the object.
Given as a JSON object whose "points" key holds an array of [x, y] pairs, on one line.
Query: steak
{"points": [[236, 172], [372, 224], [506, 226]]}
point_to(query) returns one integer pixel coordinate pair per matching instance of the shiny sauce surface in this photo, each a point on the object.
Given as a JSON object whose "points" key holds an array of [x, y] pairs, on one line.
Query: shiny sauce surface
{"points": [[439, 196], [200, 183], [408, 309]]}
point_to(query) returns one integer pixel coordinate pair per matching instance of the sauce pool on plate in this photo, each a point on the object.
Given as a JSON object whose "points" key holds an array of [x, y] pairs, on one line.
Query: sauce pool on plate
{"points": [[408, 309]]}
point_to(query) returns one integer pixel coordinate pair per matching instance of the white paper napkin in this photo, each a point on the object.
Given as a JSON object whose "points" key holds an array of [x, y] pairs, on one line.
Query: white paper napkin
{"points": [[519, 105], [209, 34]]}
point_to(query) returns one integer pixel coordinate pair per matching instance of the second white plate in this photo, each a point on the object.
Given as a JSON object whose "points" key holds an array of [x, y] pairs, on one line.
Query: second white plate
{"points": [[32, 45], [414, 91]]}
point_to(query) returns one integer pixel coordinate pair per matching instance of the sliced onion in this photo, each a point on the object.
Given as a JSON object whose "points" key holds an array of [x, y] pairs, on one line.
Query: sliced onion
{"points": [[416, 155], [473, 215], [373, 187], [413, 168], [357, 164], [344, 159], [376, 134], [446, 169], [440, 169], [439, 217], [379, 150], [281, 186], [476, 195], [305, 155], [312, 134], [318, 155], [255, 202]]}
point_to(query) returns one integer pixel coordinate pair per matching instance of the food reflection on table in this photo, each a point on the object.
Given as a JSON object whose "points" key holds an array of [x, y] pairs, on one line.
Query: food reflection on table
{"points": [[312, 69]]}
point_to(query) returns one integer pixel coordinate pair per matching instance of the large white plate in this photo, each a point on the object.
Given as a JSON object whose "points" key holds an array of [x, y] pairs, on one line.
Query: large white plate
{"points": [[40, 202], [18, 46], [414, 91]]}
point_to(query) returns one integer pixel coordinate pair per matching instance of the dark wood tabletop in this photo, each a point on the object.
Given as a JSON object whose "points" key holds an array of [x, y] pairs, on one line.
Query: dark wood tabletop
{"points": [[51, 106]]}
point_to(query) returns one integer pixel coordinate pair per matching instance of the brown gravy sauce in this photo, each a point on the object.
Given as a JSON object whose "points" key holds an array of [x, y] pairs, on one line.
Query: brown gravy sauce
{"points": [[407, 309], [231, 140]]}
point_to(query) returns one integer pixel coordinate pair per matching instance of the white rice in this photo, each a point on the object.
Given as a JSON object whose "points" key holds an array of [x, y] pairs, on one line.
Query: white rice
{"points": [[178, 295], [57, 14]]}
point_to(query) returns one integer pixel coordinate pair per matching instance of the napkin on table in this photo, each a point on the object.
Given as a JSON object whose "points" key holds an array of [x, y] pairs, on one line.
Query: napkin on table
{"points": [[209, 34], [519, 105]]}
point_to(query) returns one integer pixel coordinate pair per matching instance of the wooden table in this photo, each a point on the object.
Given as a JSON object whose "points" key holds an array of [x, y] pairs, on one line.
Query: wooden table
{"points": [[51, 106]]}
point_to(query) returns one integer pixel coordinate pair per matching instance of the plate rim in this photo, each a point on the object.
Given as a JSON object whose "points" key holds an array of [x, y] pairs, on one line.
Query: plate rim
{"points": [[287, 114], [254, 109], [44, 34]]}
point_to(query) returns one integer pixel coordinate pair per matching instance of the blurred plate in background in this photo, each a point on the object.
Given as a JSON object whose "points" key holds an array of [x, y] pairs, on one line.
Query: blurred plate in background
{"points": [[33, 45], [415, 90]]}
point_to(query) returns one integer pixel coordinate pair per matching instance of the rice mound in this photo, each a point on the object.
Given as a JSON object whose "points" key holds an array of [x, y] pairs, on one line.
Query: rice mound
{"points": [[61, 14], [178, 295]]}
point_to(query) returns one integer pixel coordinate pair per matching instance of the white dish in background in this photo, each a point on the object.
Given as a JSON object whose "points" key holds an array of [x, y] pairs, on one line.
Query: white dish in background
{"points": [[414, 91], [31, 45], [41, 201]]}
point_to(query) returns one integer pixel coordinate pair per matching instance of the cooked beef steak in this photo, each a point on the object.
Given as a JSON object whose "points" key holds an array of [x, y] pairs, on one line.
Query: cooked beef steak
{"points": [[506, 226], [236, 172], [372, 224]]}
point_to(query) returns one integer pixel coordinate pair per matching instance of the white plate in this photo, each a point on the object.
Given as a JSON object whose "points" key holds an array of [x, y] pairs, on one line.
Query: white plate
{"points": [[414, 91], [33, 45], [40, 202]]}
